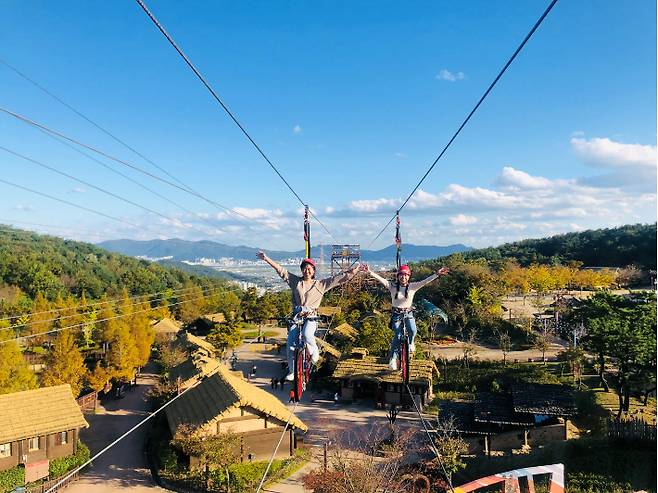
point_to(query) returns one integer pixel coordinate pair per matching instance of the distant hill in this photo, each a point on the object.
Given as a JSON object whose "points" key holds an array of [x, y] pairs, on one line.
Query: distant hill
{"points": [[53, 266], [183, 250], [611, 247]]}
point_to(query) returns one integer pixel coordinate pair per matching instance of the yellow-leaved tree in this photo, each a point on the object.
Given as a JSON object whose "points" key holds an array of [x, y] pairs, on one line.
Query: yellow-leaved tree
{"points": [[64, 364]]}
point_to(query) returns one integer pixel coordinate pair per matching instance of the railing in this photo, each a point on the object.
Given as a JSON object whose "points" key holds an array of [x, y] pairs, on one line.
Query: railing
{"points": [[43, 487], [87, 403], [632, 431]]}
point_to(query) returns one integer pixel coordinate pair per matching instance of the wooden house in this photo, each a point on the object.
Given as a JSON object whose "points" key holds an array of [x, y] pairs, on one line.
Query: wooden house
{"points": [[526, 416], [364, 377], [37, 426], [224, 402]]}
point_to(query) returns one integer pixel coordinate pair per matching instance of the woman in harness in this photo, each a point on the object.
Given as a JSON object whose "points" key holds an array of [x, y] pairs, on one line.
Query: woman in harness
{"points": [[402, 296], [307, 293]]}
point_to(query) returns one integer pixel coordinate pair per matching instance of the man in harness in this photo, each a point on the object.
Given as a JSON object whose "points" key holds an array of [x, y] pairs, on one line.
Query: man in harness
{"points": [[402, 296], [307, 293]]}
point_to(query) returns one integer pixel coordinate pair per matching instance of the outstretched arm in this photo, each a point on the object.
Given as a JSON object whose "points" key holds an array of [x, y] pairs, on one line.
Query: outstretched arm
{"points": [[338, 279], [280, 270], [419, 284], [385, 282]]}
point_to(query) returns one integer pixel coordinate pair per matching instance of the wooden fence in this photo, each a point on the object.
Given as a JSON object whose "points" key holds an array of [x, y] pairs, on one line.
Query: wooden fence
{"points": [[631, 431], [88, 402], [43, 487]]}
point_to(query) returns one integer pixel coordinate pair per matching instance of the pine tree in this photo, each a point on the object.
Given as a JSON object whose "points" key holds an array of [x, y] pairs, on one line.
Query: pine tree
{"points": [[64, 363]]}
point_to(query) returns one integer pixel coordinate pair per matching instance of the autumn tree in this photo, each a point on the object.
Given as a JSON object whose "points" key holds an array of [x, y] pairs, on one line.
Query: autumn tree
{"points": [[450, 447], [15, 374], [64, 364], [191, 304], [504, 343], [213, 451], [40, 319]]}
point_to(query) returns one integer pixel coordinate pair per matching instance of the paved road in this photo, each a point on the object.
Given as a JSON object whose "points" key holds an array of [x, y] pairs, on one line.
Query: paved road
{"points": [[124, 466], [456, 351]]}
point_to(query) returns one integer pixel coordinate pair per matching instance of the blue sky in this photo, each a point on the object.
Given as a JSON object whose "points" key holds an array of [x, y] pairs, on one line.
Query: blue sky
{"points": [[352, 101]]}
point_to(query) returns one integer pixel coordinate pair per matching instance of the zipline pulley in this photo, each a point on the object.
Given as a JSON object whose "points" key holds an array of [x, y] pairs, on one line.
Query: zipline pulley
{"points": [[398, 242], [307, 234]]}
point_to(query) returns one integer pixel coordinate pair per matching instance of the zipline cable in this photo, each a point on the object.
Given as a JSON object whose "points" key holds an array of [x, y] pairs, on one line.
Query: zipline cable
{"points": [[120, 161], [269, 464], [90, 121], [80, 314], [432, 444], [72, 204], [169, 220], [225, 108], [113, 443], [82, 324], [475, 108]]}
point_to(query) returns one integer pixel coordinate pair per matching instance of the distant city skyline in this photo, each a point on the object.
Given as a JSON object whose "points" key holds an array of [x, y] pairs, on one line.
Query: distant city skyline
{"points": [[351, 103]]}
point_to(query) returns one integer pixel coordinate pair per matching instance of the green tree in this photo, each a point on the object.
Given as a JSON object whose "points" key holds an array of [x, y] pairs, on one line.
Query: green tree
{"points": [[375, 335], [213, 451], [225, 336], [64, 364]]}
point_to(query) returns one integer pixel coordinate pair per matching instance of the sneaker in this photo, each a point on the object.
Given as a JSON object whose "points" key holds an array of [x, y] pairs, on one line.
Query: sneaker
{"points": [[290, 377], [393, 363], [315, 357], [412, 347]]}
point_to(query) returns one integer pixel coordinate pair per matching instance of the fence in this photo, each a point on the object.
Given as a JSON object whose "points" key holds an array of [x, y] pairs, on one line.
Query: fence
{"points": [[88, 402], [633, 430], [43, 487]]}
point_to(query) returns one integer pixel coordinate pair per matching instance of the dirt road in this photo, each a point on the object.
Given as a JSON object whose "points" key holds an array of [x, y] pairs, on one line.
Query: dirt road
{"points": [[124, 466]]}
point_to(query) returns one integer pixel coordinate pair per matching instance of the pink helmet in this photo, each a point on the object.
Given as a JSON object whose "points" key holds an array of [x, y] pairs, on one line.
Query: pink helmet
{"points": [[309, 261], [404, 269]]}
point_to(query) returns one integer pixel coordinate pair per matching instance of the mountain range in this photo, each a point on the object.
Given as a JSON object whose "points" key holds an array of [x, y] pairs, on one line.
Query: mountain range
{"points": [[183, 250]]}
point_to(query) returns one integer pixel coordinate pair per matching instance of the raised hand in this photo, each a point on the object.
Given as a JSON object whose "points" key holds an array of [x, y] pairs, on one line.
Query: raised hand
{"points": [[442, 271], [364, 268], [260, 255]]}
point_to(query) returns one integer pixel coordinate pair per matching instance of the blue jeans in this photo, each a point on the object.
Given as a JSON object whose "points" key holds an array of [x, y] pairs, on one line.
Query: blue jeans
{"points": [[309, 328], [397, 319]]}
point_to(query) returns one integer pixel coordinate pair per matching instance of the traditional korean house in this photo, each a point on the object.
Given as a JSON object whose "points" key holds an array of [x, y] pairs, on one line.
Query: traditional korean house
{"points": [[194, 345], [191, 370], [37, 426], [529, 415], [364, 377], [223, 402], [166, 329]]}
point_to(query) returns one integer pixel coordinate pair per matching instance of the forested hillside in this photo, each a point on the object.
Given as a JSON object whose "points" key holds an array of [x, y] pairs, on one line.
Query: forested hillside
{"points": [[53, 266], [611, 247]]}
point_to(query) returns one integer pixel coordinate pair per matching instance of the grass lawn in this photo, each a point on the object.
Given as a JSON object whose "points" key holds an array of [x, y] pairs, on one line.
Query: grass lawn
{"points": [[252, 334]]}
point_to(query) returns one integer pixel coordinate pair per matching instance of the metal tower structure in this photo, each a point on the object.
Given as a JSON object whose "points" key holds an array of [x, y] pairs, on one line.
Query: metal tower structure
{"points": [[344, 257]]}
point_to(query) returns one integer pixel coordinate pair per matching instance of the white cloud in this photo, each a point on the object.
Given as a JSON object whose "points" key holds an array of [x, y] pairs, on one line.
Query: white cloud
{"points": [[462, 220], [400, 155], [514, 178], [445, 74], [606, 153], [78, 190], [374, 205], [23, 208], [297, 129]]}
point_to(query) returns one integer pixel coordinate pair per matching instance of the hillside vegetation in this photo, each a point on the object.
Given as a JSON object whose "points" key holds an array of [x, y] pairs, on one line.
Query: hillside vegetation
{"points": [[611, 247], [54, 266]]}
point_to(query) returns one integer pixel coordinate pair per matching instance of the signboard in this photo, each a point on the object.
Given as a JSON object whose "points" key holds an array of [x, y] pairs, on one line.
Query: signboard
{"points": [[36, 470]]}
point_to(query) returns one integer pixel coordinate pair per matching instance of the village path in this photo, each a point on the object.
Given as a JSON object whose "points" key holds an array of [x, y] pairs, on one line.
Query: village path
{"points": [[456, 351], [124, 466]]}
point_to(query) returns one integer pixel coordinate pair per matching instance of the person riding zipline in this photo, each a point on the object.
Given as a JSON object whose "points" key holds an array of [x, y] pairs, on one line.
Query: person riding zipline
{"points": [[307, 293], [402, 296]]}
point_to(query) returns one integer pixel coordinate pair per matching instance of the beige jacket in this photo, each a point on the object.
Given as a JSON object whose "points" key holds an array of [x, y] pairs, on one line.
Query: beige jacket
{"points": [[310, 293]]}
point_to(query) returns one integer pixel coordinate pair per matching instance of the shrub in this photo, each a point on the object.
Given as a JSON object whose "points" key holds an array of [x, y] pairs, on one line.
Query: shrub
{"points": [[11, 478], [588, 482], [59, 467]]}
